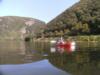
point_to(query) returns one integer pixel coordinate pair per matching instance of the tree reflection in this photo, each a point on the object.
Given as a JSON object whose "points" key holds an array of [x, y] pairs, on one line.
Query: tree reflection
{"points": [[78, 63]]}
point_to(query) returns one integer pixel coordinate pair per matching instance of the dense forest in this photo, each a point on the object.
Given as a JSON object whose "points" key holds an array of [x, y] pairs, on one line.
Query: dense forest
{"points": [[83, 18]]}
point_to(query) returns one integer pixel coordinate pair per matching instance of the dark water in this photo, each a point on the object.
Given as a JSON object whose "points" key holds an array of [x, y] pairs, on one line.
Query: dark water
{"points": [[82, 64], [18, 57]]}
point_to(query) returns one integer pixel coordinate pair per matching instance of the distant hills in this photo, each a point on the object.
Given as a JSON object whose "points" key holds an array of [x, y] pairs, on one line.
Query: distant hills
{"points": [[83, 18], [14, 27]]}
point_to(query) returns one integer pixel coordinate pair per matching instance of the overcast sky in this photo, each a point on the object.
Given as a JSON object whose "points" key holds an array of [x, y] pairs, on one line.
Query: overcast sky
{"points": [[44, 10]]}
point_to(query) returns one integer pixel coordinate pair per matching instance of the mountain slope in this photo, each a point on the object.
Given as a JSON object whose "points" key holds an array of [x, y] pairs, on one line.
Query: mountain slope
{"points": [[13, 27], [83, 18]]}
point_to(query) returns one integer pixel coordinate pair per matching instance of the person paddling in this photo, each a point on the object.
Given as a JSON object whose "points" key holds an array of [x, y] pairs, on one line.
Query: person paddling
{"points": [[60, 45], [65, 46]]}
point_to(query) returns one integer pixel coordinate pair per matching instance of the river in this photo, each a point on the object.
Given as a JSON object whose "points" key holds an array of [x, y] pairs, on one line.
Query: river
{"points": [[18, 57]]}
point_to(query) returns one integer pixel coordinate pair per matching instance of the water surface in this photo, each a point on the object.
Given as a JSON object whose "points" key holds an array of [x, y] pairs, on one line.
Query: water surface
{"points": [[18, 57], [38, 68]]}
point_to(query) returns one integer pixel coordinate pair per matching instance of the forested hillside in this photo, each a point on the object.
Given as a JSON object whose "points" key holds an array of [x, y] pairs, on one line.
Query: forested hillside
{"points": [[83, 18]]}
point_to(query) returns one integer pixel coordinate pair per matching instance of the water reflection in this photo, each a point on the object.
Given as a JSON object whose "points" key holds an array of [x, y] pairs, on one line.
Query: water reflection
{"points": [[11, 51], [32, 54], [78, 63], [85, 61], [38, 68], [17, 51]]}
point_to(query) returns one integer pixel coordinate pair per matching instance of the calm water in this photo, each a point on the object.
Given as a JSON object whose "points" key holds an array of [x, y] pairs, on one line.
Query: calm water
{"points": [[20, 58], [28, 58], [42, 67]]}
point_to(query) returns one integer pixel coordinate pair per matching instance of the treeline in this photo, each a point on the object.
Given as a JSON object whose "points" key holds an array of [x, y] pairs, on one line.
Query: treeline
{"points": [[81, 19]]}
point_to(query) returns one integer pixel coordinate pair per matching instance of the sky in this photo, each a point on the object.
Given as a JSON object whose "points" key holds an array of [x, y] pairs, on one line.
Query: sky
{"points": [[44, 10]]}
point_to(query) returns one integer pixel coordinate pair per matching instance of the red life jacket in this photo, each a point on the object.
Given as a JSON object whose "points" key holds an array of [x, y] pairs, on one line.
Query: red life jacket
{"points": [[67, 47]]}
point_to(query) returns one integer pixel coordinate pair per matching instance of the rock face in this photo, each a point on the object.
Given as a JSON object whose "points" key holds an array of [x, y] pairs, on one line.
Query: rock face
{"points": [[83, 18], [14, 27]]}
